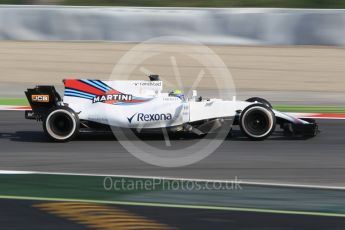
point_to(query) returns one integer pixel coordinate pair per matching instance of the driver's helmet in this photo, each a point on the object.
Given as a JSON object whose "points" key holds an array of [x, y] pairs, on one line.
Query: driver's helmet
{"points": [[177, 93]]}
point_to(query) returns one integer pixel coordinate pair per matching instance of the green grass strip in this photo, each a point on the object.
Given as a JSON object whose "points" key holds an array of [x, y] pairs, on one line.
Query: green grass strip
{"points": [[14, 101], [135, 191], [167, 205], [309, 109], [206, 3]]}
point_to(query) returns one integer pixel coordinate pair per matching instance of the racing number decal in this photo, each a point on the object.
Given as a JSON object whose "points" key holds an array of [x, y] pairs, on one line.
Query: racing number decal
{"points": [[40, 98]]}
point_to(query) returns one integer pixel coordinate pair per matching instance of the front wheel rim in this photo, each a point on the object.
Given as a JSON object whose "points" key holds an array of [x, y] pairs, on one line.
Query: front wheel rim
{"points": [[257, 122]]}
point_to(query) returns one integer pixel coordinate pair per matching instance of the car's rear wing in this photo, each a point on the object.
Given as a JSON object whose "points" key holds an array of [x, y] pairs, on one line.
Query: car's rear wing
{"points": [[41, 99]]}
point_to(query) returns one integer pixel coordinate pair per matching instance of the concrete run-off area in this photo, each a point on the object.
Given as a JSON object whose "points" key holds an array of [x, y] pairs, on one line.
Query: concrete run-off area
{"points": [[296, 75]]}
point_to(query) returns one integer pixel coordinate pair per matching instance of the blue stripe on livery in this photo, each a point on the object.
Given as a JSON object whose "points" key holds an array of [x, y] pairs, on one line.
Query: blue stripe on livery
{"points": [[94, 85], [70, 94], [100, 83], [79, 92]]}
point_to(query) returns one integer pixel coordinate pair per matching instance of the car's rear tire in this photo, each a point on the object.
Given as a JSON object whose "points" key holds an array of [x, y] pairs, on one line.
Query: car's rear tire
{"points": [[61, 124], [260, 100], [257, 121]]}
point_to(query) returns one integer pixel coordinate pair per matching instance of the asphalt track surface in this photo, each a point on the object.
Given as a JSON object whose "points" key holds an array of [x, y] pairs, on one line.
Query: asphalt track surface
{"points": [[19, 214], [318, 161]]}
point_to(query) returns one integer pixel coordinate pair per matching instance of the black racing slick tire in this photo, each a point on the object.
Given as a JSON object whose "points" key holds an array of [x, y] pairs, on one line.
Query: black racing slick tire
{"points": [[260, 100], [61, 124], [257, 122]]}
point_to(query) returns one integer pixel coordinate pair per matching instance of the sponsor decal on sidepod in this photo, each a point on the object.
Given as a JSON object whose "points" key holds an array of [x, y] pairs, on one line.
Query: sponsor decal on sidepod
{"points": [[112, 97], [150, 117]]}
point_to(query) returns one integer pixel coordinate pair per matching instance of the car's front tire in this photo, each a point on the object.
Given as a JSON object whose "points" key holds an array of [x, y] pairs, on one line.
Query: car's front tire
{"points": [[257, 121], [61, 124]]}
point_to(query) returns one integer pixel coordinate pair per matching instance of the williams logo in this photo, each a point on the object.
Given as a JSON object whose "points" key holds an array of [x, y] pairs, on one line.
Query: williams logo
{"points": [[112, 97], [150, 83], [150, 117]]}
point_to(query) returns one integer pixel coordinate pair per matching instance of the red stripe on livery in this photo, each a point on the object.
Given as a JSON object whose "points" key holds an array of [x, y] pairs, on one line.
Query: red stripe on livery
{"points": [[75, 84], [113, 91], [328, 115]]}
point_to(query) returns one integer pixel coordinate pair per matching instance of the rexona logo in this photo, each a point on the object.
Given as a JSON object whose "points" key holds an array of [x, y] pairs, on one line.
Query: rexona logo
{"points": [[112, 97], [150, 117]]}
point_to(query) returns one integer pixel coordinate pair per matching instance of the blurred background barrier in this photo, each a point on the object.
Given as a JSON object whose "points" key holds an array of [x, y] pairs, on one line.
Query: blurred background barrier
{"points": [[237, 26]]}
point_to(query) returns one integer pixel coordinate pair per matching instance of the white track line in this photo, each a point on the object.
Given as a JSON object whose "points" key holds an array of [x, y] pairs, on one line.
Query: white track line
{"points": [[243, 182]]}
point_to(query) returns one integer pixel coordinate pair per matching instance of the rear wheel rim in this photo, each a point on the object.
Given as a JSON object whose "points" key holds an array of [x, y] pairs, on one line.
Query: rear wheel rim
{"points": [[60, 124]]}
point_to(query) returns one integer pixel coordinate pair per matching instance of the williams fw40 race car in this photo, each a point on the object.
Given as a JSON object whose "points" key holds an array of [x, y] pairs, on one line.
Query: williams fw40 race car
{"points": [[95, 105]]}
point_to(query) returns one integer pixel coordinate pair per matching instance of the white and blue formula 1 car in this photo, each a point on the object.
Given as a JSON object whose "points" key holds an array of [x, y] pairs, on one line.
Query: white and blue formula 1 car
{"points": [[95, 105]]}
